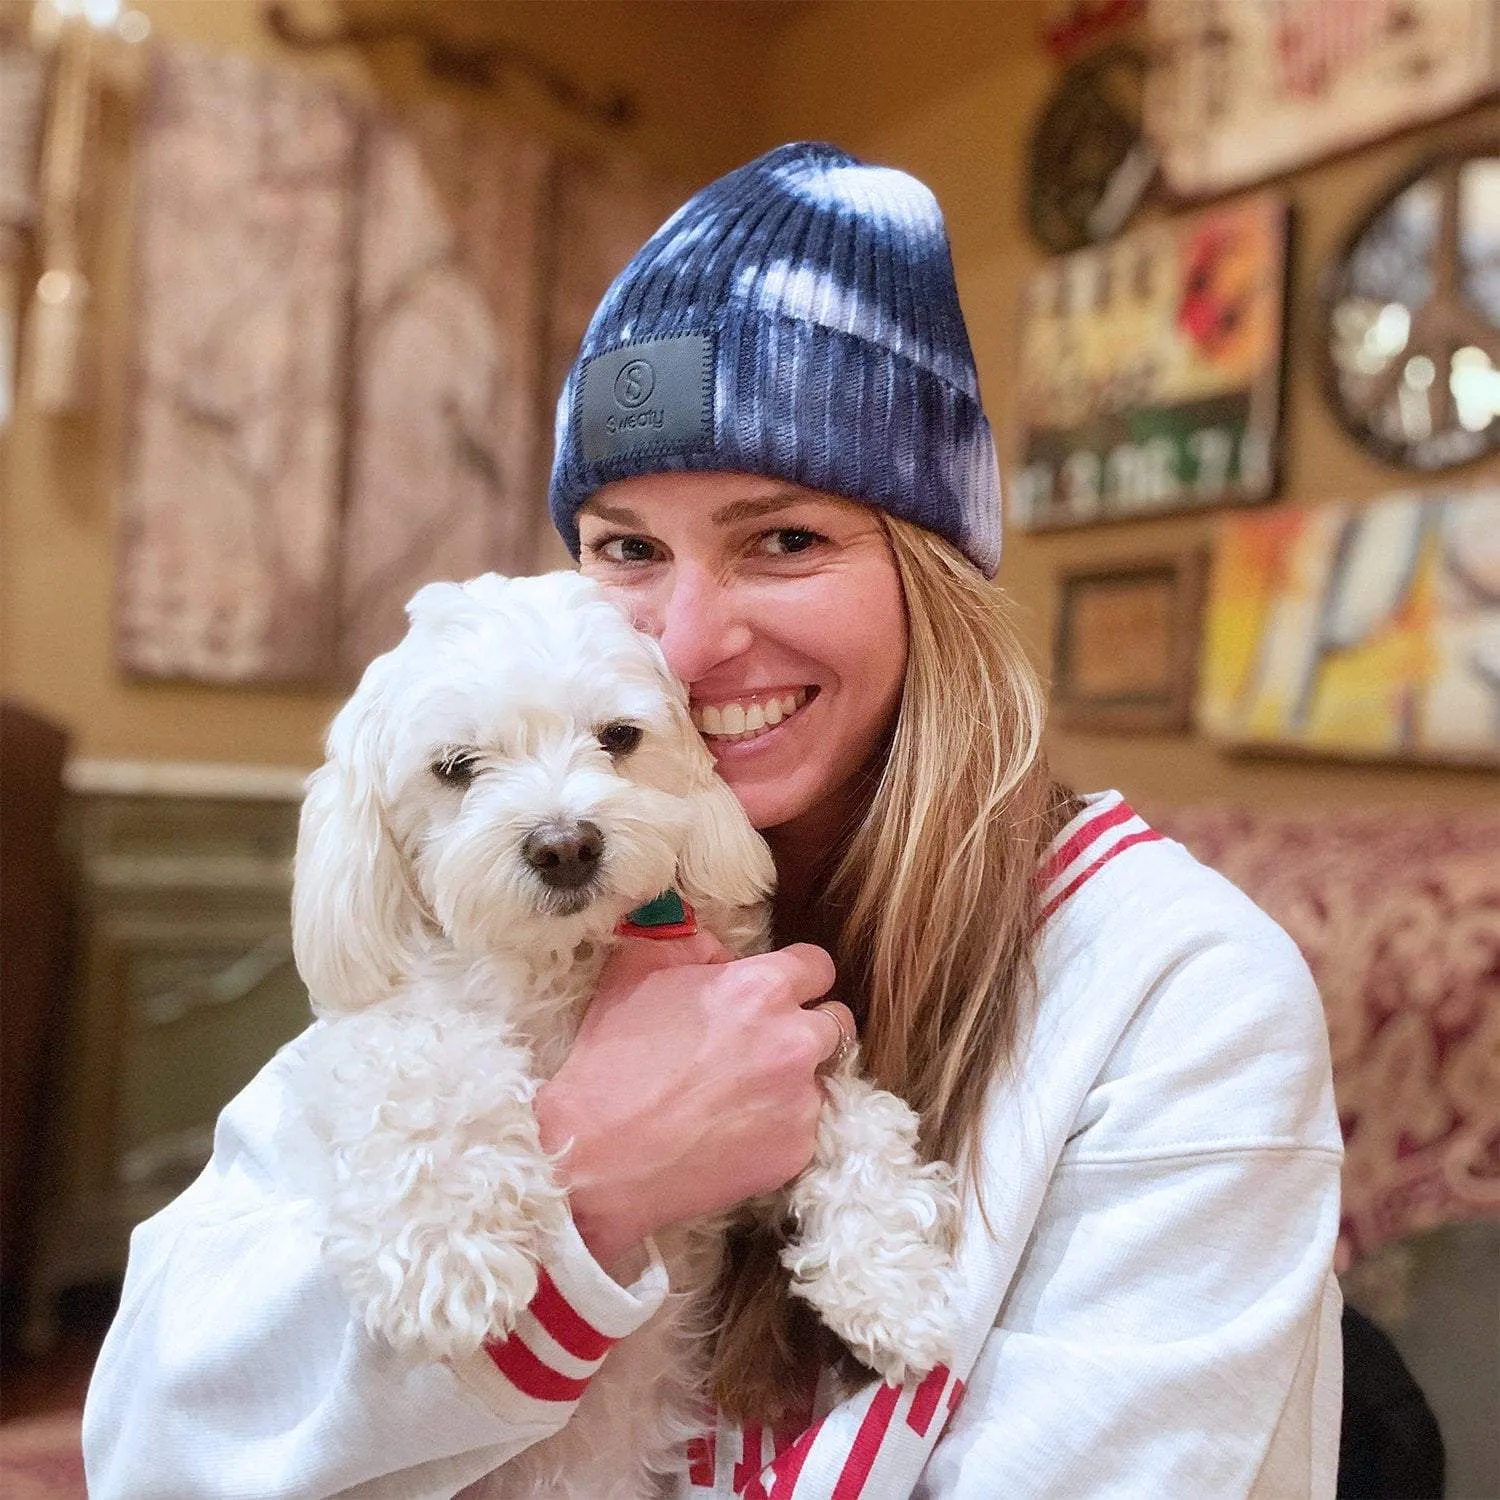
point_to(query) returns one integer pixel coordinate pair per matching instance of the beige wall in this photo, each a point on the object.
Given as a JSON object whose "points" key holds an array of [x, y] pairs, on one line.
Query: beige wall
{"points": [[947, 90], [688, 68]]}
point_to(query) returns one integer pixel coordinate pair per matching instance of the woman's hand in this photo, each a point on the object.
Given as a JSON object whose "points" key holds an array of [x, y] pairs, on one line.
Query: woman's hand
{"points": [[692, 1085]]}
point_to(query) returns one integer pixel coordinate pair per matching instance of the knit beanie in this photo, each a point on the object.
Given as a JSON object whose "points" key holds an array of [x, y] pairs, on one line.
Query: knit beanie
{"points": [[799, 319]]}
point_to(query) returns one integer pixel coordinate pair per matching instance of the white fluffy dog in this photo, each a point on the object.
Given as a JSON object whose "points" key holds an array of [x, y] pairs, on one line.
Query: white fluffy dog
{"points": [[502, 788]]}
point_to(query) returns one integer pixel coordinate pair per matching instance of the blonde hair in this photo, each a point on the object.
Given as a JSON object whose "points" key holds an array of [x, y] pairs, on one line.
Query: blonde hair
{"points": [[936, 901]]}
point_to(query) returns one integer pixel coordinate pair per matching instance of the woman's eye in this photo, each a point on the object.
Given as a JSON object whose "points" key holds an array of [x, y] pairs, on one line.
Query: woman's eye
{"points": [[456, 767], [619, 739], [624, 549], [790, 539]]}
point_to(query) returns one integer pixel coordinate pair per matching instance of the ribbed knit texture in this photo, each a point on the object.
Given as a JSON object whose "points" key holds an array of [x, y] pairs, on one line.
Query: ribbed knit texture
{"points": [[837, 355]]}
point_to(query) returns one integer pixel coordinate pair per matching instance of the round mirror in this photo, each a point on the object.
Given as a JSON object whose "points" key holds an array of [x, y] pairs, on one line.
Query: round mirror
{"points": [[1412, 306]]}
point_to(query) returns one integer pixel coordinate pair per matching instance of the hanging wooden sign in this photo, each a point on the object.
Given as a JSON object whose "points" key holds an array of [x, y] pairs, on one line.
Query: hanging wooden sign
{"points": [[1241, 90]]}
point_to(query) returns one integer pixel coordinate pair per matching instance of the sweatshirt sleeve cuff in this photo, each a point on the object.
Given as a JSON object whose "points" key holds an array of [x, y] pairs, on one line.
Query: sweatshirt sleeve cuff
{"points": [[538, 1373]]}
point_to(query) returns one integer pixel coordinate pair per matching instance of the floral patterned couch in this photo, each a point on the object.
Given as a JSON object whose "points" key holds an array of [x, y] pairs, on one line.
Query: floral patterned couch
{"points": [[1398, 915]]}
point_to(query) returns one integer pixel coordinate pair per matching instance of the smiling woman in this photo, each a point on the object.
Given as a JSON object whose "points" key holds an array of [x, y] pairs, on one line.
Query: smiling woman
{"points": [[772, 453]]}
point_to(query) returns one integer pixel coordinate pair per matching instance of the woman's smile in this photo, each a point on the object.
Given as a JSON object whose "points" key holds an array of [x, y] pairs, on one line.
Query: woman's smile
{"points": [[748, 717]]}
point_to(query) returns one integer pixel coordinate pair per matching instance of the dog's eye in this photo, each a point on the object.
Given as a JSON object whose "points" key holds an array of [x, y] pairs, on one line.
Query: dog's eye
{"points": [[456, 767], [620, 739]]}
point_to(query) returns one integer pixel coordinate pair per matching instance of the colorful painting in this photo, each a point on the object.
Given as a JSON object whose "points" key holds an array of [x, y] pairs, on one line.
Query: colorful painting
{"points": [[1241, 90], [1367, 631], [1150, 374]]}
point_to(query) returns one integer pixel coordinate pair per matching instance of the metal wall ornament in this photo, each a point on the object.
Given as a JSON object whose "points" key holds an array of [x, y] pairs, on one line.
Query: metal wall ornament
{"points": [[1088, 163], [1150, 371], [1243, 90], [1411, 344]]}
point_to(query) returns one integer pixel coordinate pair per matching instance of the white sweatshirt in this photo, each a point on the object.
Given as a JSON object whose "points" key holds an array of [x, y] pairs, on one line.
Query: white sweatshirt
{"points": [[1154, 1315]]}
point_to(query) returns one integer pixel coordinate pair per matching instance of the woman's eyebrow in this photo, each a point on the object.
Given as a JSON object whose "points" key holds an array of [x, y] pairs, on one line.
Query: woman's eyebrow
{"points": [[621, 515], [749, 510]]}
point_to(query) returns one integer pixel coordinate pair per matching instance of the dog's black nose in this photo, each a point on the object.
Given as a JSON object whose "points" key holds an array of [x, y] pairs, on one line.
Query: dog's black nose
{"points": [[564, 855]]}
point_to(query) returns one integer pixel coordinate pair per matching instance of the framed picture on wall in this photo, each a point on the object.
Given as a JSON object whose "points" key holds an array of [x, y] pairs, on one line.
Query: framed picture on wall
{"points": [[1241, 90], [1365, 632], [1150, 370], [1127, 644]]}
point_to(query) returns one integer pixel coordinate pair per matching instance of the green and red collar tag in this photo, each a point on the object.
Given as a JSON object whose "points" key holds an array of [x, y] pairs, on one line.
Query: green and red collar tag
{"points": [[665, 916]]}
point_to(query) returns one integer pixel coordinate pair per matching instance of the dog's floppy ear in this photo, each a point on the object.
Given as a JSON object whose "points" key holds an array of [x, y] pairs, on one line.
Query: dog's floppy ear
{"points": [[356, 927], [724, 859]]}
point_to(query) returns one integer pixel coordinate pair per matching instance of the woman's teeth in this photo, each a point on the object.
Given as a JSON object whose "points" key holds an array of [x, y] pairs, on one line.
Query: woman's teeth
{"points": [[746, 719]]}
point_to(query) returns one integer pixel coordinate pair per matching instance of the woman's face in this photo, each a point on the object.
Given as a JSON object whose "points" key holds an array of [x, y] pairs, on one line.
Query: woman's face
{"points": [[781, 610]]}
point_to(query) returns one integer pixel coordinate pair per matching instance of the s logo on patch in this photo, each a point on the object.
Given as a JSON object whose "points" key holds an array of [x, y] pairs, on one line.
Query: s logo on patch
{"points": [[634, 384], [655, 395]]}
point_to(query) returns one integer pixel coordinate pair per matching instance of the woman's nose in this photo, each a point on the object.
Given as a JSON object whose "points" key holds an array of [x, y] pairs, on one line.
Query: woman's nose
{"points": [[699, 624]]}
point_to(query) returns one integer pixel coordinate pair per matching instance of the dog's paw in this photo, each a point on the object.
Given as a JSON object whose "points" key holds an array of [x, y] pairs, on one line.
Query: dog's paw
{"points": [[442, 1300], [873, 1252], [900, 1351], [890, 1301]]}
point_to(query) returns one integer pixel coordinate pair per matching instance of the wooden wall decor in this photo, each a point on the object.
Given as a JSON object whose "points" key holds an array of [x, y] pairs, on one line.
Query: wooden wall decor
{"points": [[446, 423], [1241, 90], [244, 271], [351, 329], [1368, 632], [1127, 644], [1411, 311], [1150, 371]]}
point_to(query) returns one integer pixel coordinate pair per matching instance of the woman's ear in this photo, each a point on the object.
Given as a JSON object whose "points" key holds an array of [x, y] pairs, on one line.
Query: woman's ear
{"points": [[356, 927], [725, 859]]}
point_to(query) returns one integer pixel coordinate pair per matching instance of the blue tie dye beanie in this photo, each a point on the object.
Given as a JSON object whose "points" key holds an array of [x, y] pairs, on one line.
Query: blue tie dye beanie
{"points": [[798, 318]]}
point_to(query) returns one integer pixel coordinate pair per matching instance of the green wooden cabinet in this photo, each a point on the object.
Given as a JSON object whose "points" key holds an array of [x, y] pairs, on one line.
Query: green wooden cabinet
{"points": [[183, 987]]}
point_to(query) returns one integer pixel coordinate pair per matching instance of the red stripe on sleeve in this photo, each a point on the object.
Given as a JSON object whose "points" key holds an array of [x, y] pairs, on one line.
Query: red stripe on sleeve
{"points": [[924, 1402], [954, 1397], [529, 1375], [1122, 812], [747, 1471], [701, 1461], [788, 1465], [558, 1316], [867, 1443], [1145, 836]]}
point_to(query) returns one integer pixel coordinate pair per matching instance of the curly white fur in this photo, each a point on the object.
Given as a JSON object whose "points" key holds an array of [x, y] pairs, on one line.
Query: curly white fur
{"points": [[451, 978]]}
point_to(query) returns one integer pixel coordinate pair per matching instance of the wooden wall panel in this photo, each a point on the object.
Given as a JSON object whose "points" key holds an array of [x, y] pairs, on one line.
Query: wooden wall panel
{"points": [[444, 427], [243, 273]]}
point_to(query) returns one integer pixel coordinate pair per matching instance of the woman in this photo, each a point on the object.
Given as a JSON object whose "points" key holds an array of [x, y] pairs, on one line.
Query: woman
{"points": [[772, 451]]}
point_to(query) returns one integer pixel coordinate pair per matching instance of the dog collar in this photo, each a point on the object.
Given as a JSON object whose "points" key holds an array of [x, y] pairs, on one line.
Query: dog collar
{"points": [[665, 916]]}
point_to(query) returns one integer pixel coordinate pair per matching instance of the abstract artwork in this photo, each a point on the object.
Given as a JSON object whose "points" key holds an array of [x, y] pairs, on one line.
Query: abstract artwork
{"points": [[1241, 90], [244, 271], [1369, 631], [1150, 374]]}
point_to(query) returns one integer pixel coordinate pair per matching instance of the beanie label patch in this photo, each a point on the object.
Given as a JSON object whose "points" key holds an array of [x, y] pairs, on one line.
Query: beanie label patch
{"points": [[655, 395]]}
